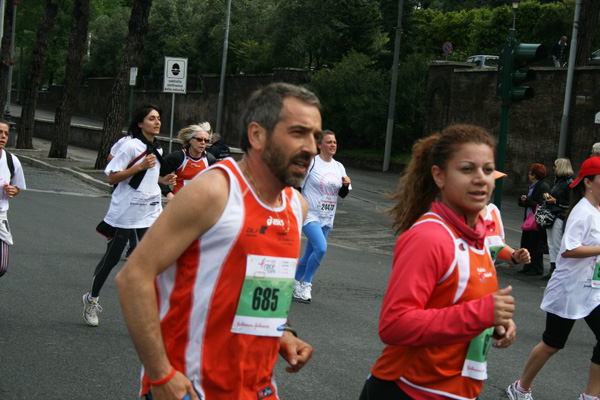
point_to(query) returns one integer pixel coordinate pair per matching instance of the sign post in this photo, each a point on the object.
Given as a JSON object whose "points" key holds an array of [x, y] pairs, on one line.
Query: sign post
{"points": [[447, 48], [175, 81], [132, 78]]}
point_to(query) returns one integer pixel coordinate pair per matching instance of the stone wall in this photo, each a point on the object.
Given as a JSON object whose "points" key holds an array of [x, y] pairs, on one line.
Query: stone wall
{"points": [[460, 94], [190, 108]]}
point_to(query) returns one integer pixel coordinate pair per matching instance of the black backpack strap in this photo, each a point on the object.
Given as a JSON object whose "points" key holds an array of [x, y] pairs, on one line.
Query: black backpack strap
{"points": [[11, 164]]}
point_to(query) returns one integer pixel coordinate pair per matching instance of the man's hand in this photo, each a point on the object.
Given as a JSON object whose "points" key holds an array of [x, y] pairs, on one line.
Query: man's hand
{"points": [[11, 191], [175, 389], [346, 181], [295, 351]]}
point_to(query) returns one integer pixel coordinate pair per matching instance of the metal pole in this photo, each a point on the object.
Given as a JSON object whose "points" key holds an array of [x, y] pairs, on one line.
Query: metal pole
{"points": [[506, 101], [172, 117], [223, 67], [564, 125], [19, 74], [392, 104], [10, 65], [1, 19]]}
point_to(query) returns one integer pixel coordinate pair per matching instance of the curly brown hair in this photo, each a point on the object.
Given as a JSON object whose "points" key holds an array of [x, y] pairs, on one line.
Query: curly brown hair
{"points": [[417, 189]]}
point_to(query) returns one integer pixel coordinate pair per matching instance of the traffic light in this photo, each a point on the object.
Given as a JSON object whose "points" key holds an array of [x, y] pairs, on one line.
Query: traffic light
{"points": [[504, 68], [523, 55]]}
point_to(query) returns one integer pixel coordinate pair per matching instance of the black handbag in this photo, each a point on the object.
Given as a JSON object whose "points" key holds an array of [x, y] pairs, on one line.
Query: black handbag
{"points": [[544, 218]]}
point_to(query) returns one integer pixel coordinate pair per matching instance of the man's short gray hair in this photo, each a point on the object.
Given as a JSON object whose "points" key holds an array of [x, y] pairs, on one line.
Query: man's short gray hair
{"points": [[596, 148], [265, 105]]}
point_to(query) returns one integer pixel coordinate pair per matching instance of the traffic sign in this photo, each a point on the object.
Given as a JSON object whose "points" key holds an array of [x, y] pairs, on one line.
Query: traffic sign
{"points": [[175, 79], [447, 47]]}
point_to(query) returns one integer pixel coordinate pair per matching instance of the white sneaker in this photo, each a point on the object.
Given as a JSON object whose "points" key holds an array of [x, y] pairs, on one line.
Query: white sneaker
{"points": [[582, 397], [306, 291], [297, 293], [91, 309], [515, 394]]}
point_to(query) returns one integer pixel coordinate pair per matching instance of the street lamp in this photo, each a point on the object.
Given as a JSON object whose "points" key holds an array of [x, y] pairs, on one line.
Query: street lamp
{"points": [[515, 5]]}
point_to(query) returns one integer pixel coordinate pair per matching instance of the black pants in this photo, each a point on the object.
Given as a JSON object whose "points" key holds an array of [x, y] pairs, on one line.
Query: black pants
{"points": [[378, 389], [114, 250]]}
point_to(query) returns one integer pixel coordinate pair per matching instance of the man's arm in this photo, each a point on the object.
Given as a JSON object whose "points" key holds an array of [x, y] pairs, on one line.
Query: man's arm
{"points": [[196, 208], [295, 351]]}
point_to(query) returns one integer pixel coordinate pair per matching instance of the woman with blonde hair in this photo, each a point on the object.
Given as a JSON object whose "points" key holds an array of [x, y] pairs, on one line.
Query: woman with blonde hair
{"points": [[192, 158], [442, 305], [558, 200]]}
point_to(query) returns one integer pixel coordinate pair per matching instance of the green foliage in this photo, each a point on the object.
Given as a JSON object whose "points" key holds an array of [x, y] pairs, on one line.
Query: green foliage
{"points": [[355, 98], [108, 37], [353, 95]]}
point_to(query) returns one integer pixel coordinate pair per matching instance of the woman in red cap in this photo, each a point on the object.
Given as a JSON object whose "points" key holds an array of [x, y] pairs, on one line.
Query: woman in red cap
{"points": [[573, 291]]}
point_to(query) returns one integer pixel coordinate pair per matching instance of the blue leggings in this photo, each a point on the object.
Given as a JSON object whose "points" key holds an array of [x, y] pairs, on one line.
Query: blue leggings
{"points": [[315, 251]]}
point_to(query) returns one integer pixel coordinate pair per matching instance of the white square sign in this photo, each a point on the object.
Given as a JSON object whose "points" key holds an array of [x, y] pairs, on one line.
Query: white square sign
{"points": [[175, 79]]}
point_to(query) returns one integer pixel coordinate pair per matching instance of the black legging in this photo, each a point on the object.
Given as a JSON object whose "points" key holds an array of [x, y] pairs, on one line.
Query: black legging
{"points": [[114, 250], [378, 389]]}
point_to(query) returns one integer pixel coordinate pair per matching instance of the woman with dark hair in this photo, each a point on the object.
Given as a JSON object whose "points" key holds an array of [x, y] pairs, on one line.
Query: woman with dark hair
{"points": [[135, 202], [558, 201], [535, 241], [442, 304], [573, 291]]}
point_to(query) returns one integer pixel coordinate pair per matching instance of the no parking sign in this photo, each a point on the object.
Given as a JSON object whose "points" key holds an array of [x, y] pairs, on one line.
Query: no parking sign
{"points": [[447, 47]]}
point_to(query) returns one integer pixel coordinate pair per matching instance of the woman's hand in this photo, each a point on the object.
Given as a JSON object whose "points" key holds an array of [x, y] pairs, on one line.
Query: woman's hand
{"points": [[549, 199], [504, 306]]}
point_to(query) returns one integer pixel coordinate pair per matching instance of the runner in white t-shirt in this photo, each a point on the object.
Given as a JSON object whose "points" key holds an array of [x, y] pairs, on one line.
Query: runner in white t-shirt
{"points": [[11, 183], [573, 291], [135, 203], [325, 180]]}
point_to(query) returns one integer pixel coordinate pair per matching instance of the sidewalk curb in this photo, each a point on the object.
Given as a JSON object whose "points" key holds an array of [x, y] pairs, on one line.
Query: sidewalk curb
{"points": [[77, 174]]}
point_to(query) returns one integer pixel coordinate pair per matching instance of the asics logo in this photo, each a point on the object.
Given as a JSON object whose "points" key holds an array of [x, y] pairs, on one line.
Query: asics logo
{"points": [[274, 221]]}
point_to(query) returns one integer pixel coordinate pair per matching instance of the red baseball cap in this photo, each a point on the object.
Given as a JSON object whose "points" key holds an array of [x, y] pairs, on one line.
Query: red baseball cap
{"points": [[591, 166]]}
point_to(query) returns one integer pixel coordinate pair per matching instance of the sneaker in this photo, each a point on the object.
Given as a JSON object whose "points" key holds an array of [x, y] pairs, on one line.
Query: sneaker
{"points": [[582, 397], [297, 293], [306, 291], [91, 309], [515, 394]]}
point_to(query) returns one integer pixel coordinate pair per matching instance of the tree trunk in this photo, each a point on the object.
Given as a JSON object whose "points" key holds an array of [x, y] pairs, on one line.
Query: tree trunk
{"points": [[34, 77], [64, 111], [588, 19], [117, 100], [5, 55]]}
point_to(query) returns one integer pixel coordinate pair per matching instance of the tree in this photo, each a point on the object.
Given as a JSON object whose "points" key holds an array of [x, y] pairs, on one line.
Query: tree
{"points": [[117, 100], [64, 111], [5, 55], [587, 29], [34, 77]]}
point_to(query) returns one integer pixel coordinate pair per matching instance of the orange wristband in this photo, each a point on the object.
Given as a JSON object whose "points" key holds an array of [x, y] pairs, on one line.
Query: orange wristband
{"points": [[165, 379]]}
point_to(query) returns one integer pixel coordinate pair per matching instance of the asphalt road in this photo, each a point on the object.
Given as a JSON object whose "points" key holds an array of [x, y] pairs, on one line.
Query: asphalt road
{"points": [[47, 351]]}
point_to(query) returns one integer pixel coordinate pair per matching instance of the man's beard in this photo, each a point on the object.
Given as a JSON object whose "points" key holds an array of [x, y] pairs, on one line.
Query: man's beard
{"points": [[279, 166]]}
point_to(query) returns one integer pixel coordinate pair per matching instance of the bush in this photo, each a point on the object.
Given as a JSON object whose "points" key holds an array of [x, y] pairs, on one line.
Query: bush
{"points": [[355, 97]]}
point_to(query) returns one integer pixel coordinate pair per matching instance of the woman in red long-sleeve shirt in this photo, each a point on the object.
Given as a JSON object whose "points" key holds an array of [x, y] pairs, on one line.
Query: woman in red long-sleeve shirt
{"points": [[442, 305]]}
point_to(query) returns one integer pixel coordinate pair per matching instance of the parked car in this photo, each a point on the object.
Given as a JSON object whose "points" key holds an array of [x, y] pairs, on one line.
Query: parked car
{"points": [[594, 58], [484, 61]]}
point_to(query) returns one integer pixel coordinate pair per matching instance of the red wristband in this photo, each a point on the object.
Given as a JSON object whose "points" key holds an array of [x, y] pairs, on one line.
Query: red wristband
{"points": [[165, 379]]}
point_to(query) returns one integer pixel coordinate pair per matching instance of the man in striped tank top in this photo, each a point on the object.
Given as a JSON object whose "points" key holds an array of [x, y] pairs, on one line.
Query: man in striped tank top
{"points": [[207, 292]]}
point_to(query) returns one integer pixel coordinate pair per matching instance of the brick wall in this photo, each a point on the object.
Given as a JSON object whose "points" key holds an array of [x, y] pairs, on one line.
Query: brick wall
{"points": [[459, 94], [191, 108]]}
